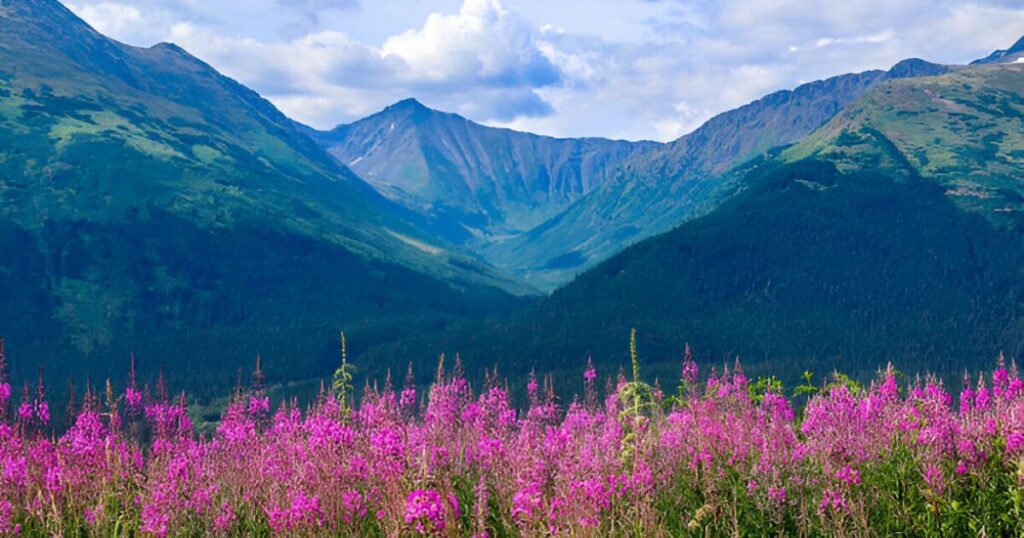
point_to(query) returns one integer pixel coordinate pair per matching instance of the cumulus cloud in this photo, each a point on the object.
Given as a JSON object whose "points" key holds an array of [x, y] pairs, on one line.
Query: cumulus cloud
{"points": [[652, 69], [714, 55], [111, 17], [482, 61], [483, 42], [120, 20]]}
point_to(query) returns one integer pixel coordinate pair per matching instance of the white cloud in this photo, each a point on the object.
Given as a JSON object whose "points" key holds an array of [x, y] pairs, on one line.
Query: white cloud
{"points": [[880, 37], [651, 69], [483, 43], [109, 17], [482, 61]]}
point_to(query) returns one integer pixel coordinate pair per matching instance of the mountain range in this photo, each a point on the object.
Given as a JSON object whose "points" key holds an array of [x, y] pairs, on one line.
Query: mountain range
{"points": [[528, 200], [157, 206], [480, 184], [893, 232]]}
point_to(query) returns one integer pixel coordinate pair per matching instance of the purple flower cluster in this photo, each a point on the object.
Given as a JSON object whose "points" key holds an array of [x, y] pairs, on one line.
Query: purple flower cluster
{"points": [[713, 458]]}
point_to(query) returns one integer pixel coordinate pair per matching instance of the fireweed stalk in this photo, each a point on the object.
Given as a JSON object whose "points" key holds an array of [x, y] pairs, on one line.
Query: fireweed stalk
{"points": [[716, 458]]}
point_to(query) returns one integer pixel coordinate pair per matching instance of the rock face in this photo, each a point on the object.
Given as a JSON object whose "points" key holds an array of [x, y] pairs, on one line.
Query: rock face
{"points": [[486, 182]]}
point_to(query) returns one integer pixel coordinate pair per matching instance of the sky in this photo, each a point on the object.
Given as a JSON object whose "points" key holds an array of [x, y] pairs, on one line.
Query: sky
{"points": [[624, 69]]}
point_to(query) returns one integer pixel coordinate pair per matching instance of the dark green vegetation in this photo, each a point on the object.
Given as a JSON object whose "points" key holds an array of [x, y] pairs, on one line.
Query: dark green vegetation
{"points": [[149, 204], [854, 247], [147, 201]]}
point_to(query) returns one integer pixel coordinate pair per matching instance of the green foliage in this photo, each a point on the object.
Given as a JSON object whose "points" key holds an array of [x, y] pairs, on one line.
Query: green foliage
{"points": [[803, 268], [763, 385], [807, 388], [638, 404], [842, 380], [341, 382]]}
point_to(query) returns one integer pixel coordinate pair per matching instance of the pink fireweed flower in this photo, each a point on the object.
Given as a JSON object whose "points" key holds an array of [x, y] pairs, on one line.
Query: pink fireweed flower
{"points": [[777, 494], [154, 520], [225, 518], [849, 475], [424, 509], [305, 511], [7, 525], [43, 412], [982, 399], [25, 411], [527, 502], [1015, 389], [15, 470], [531, 386], [5, 392], [933, 477], [546, 469], [690, 371], [133, 398], [53, 479], [259, 406], [1000, 378], [832, 499], [966, 400], [354, 506], [93, 514], [1014, 443], [408, 397]]}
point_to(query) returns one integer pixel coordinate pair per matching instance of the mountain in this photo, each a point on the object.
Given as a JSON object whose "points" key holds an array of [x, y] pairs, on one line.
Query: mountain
{"points": [[1010, 55], [476, 182], [963, 132], [894, 231], [149, 203], [656, 190]]}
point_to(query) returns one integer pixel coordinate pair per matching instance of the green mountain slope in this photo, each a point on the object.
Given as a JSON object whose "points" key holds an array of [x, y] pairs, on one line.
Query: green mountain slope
{"points": [[149, 203], [477, 182], [854, 247], [657, 190], [963, 131]]}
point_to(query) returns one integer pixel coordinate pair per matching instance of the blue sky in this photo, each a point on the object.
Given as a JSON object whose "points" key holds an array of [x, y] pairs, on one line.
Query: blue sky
{"points": [[634, 69]]}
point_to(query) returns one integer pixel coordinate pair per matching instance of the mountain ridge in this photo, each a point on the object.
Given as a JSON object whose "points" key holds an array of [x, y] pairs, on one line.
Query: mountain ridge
{"points": [[155, 203], [492, 181], [1014, 53], [656, 191], [865, 242]]}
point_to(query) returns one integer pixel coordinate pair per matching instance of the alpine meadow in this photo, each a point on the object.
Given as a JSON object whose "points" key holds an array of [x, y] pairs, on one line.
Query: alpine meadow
{"points": [[503, 268]]}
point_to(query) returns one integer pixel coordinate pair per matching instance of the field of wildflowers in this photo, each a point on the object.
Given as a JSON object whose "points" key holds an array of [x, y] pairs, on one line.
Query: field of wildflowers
{"points": [[720, 456]]}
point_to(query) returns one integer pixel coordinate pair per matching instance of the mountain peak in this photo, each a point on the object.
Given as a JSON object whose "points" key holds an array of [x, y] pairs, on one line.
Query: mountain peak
{"points": [[410, 103], [916, 67], [1018, 46], [1004, 55], [165, 45]]}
